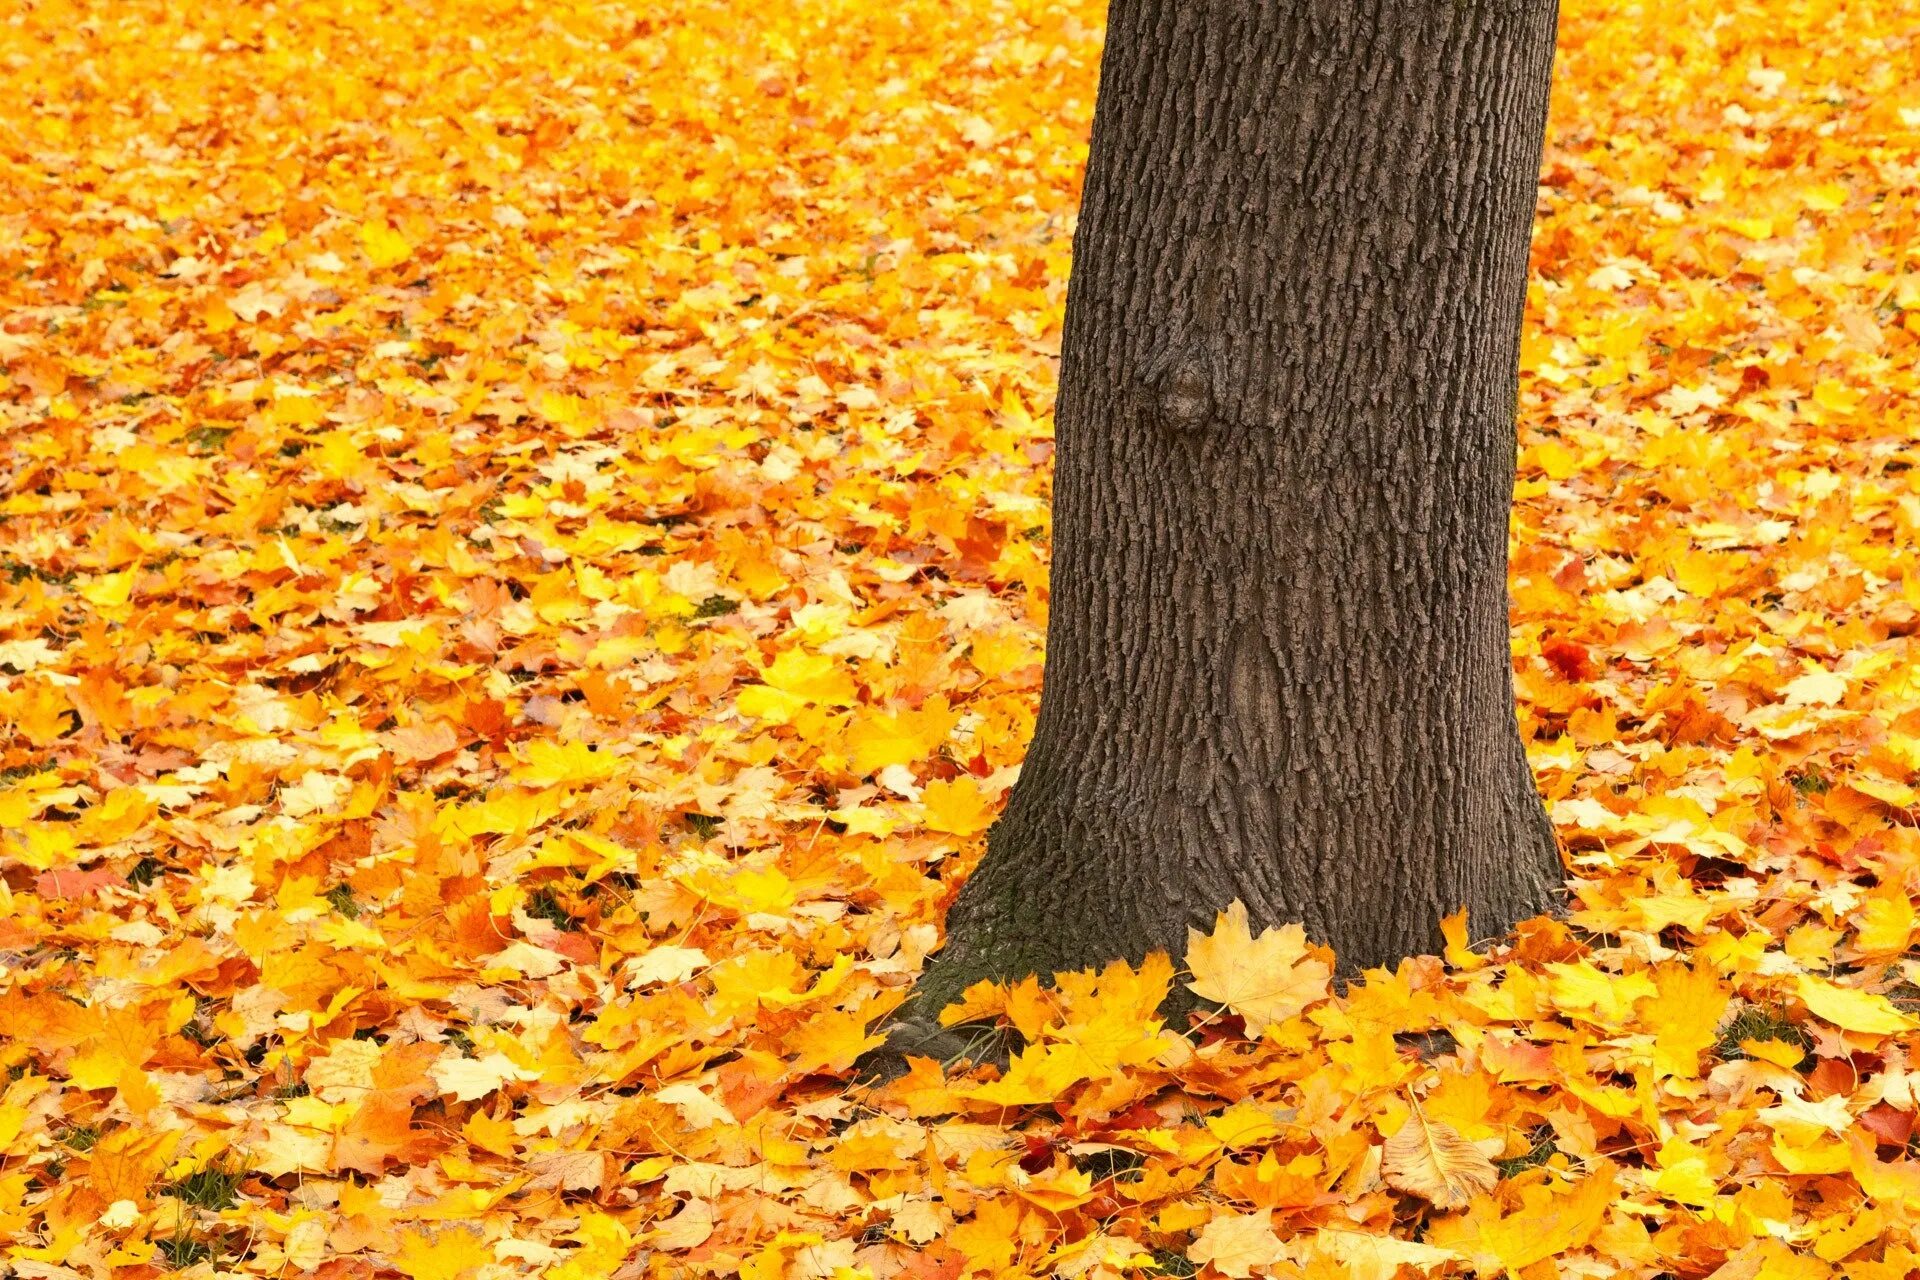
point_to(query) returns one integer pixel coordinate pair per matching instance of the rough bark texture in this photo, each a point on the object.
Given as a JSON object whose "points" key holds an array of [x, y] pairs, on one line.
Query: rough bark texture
{"points": [[1277, 662]]}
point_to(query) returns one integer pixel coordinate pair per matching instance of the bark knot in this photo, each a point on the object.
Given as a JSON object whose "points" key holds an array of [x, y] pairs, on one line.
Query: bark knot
{"points": [[1183, 390]]}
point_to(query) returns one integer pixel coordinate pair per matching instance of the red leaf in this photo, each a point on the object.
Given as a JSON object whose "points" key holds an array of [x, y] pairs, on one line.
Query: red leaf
{"points": [[1890, 1128], [1571, 660], [73, 884]]}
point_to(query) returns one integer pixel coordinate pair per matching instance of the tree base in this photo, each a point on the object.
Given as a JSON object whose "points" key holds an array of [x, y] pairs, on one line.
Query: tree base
{"points": [[1054, 895]]}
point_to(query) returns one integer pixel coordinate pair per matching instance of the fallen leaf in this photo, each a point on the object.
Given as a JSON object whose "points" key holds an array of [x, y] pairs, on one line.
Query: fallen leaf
{"points": [[1266, 979], [1430, 1159]]}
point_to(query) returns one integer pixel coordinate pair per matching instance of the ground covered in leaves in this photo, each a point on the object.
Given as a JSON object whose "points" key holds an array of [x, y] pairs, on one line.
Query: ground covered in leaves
{"points": [[522, 570]]}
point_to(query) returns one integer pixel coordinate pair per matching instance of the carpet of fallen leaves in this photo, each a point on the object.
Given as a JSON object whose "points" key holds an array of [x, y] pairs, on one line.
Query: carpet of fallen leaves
{"points": [[522, 572]]}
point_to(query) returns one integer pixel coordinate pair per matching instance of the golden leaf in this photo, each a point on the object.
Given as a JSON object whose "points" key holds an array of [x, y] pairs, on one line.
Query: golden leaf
{"points": [[384, 246], [1549, 1221], [442, 1255], [1850, 1008], [124, 1164], [1266, 979], [1683, 1017]]}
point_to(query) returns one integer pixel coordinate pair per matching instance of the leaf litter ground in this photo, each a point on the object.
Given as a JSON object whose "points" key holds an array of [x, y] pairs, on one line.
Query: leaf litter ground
{"points": [[522, 583]]}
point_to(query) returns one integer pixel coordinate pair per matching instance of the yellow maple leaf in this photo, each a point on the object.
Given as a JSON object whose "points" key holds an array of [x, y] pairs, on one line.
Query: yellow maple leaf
{"points": [[467, 1079], [1243, 1125], [1682, 1173], [1266, 979], [686, 1229], [989, 1240], [742, 983], [1459, 952], [830, 1041], [1683, 1017], [1886, 920], [1782, 1053], [794, 680], [1825, 196], [1056, 1189], [306, 1242], [551, 764], [1817, 688], [442, 1255], [1549, 1221], [1040, 1073], [902, 738], [122, 1041], [1850, 1008], [957, 807], [124, 1164], [1596, 996], [1893, 1184], [696, 1107], [980, 1002], [109, 591], [384, 246]]}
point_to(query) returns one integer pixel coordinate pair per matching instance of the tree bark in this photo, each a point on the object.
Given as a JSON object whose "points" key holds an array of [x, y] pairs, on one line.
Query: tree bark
{"points": [[1277, 653]]}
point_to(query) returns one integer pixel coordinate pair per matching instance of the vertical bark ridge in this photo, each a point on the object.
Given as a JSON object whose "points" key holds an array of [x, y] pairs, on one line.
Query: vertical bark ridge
{"points": [[1277, 661]]}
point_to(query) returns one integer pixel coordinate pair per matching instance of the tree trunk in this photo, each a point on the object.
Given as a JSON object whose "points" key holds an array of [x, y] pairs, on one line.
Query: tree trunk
{"points": [[1277, 654]]}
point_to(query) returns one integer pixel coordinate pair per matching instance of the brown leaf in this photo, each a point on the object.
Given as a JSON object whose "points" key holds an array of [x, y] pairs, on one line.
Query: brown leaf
{"points": [[1430, 1159], [569, 1170]]}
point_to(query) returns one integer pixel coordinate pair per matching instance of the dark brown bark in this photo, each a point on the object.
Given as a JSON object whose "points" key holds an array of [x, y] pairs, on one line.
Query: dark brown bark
{"points": [[1277, 662]]}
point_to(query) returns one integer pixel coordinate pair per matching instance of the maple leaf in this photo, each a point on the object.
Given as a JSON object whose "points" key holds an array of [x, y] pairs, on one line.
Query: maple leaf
{"points": [[1039, 1073], [1895, 1184], [666, 963], [1266, 979], [831, 1042], [1056, 1189], [1547, 1222], [384, 246], [793, 681], [1365, 1256], [448, 1254], [1238, 1244], [697, 1107], [73, 884], [1815, 689], [569, 1170], [1430, 1159], [121, 1042], [1886, 921], [687, 1229], [551, 764], [1683, 1016], [957, 807], [124, 1164], [1850, 1008], [1683, 1174], [379, 1132], [1244, 1125], [1453, 931], [902, 738], [466, 1079]]}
